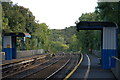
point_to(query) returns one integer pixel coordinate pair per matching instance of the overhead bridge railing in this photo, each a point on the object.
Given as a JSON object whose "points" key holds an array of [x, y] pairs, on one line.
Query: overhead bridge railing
{"points": [[116, 69]]}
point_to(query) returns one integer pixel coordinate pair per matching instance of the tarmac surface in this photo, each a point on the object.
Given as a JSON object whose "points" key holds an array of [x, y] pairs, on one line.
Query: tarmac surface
{"points": [[90, 69]]}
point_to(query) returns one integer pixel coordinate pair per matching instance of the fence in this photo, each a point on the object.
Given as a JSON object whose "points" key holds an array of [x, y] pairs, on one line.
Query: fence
{"points": [[96, 53], [116, 70]]}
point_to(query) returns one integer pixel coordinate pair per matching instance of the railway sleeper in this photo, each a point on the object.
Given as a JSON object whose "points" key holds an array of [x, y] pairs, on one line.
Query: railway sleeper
{"points": [[9, 68], [15, 67]]}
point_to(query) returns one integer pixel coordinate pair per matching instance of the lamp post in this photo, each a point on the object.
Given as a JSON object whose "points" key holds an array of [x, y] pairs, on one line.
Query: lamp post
{"points": [[0, 38]]}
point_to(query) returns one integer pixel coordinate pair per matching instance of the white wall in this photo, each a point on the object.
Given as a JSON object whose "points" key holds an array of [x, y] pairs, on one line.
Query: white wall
{"points": [[109, 38], [28, 53], [7, 42]]}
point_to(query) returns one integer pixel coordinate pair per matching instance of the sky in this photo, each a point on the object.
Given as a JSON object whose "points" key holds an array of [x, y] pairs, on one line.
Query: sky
{"points": [[58, 14]]}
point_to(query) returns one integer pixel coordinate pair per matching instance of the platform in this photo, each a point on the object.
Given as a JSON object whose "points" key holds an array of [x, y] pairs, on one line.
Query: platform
{"points": [[92, 72]]}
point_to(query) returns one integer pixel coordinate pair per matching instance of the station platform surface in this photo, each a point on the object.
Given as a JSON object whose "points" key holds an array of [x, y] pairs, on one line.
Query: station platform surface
{"points": [[90, 69]]}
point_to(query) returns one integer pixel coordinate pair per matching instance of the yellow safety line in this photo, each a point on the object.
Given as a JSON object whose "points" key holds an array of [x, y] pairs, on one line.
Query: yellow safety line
{"points": [[68, 76]]}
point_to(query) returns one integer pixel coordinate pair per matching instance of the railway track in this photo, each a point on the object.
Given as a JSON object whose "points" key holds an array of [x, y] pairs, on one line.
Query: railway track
{"points": [[17, 64], [65, 69], [58, 67], [16, 73]]}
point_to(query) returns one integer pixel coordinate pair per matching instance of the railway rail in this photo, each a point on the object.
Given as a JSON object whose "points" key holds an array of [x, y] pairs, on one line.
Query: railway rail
{"points": [[57, 67], [13, 70], [66, 68], [20, 64]]}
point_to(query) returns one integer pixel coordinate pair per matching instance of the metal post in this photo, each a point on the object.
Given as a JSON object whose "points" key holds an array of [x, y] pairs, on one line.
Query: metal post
{"points": [[23, 43], [0, 26]]}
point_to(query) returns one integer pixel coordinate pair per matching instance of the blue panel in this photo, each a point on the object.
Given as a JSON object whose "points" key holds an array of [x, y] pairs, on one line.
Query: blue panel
{"points": [[107, 61], [14, 56], [14, 48], [8, 53], [22, 43]]}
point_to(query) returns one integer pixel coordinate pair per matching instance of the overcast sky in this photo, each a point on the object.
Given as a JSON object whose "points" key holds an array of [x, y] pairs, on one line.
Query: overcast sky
{"points": [[58, 14]]}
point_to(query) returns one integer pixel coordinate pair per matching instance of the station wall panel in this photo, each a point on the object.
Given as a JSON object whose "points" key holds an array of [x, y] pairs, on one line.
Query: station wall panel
{"points": [[107, 59], [7, 47], [7, 42], [8, 53], [109, 47], [109, 37]]}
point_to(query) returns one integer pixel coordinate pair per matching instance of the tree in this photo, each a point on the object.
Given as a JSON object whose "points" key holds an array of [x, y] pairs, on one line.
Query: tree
{"points": [[73, 46], [90, 17], [42, 36], [87, 38], [110, 11], [56, 47], [19, 19]]}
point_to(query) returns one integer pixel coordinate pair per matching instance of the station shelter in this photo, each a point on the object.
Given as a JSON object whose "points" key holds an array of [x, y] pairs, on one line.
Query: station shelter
{"points": [[109, 40], [9, 43]]}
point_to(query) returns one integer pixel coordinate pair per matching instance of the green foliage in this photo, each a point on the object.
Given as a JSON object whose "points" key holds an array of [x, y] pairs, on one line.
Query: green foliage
{"points": [[110, 11], [89, 17], [68, 33], [61, 38], [56, 47], [88, 38], [42, 35], [73, 46], [19, 19]]}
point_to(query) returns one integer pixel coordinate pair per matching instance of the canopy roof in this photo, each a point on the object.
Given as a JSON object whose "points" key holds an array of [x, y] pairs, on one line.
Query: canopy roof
{"points": [[85, 25], [17, 34]]}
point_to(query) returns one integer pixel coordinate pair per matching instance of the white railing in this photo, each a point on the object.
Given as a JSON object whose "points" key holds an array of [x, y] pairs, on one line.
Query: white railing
{"points": [[116, 58], [97, 53], [116, 69]]}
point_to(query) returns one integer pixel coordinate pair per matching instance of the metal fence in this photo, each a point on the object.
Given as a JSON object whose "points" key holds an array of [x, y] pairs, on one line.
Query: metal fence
{"points": [[116, 70], [97, 53]]}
